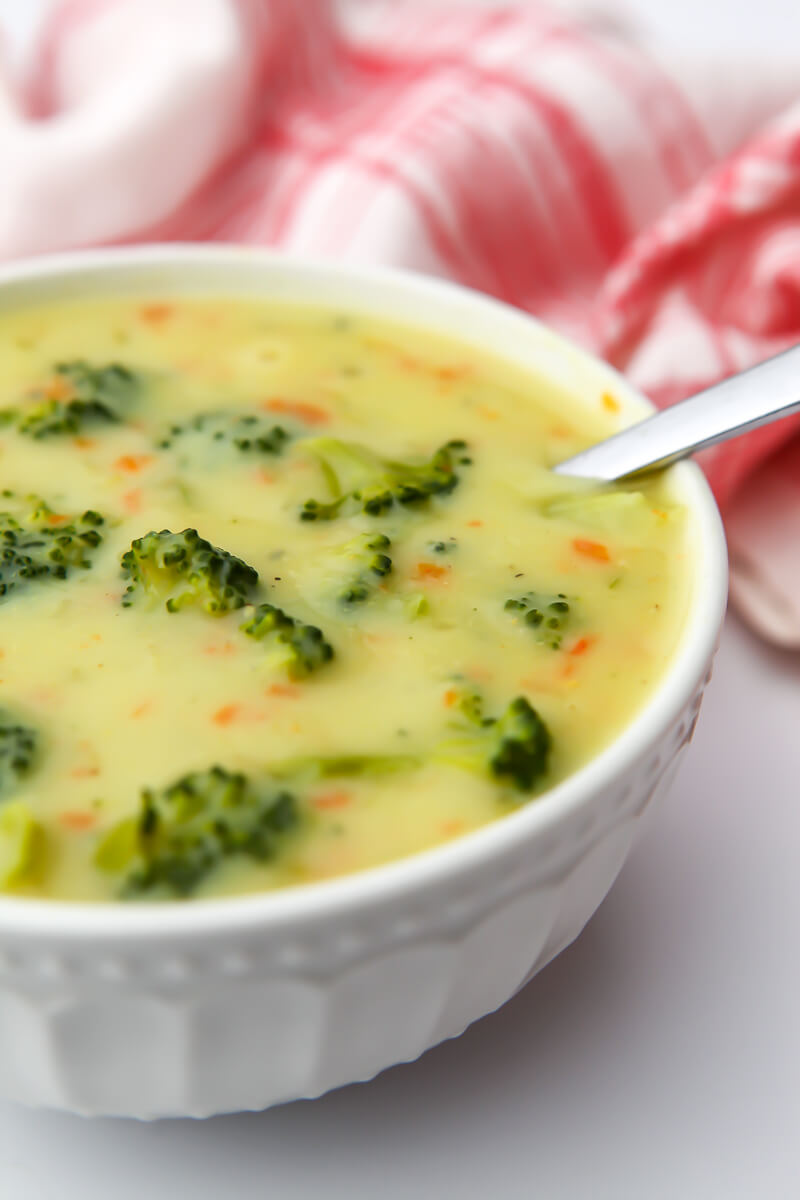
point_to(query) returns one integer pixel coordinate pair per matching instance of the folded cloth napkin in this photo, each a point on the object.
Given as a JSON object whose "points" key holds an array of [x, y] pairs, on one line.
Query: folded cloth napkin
{"points": [[648, 208]]}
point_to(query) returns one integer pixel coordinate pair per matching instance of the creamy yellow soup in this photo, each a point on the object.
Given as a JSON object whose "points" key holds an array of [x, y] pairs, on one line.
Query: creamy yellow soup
{"points": [[387, 625]]}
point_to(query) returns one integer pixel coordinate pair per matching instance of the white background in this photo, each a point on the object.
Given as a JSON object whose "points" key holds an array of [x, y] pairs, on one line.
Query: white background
{"points": [[659, 1057]]}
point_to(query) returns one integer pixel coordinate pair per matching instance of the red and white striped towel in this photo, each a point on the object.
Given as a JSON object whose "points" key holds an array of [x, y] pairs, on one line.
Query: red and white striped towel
{"points": [[650, 209]]}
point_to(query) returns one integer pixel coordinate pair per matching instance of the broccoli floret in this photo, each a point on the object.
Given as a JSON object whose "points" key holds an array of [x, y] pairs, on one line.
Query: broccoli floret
{"points": [[184, 831], [39, 545], [547, 616], [184, 570], [77, 396], [242, 433], [18, 750], [351, 573], [295, 648], [362, 481], [513, 748]]}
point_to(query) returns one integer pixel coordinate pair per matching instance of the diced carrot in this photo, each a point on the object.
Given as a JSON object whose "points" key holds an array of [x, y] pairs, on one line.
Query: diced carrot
{"points": [[610, 403], [283, 689], [133, 462], [332, 801], [594, 550], [224, 648], [57, 388], [156, 314], [488, 414], [450, 697], [581, 646], [262, 475], [452, 828], [83, 443], [311, 414], [76, 820], [226, 715], [84, 772], [428, 570], [448, 374], [560, 431], [132, 500], [142, 709], [476, 524], [56, 519]]}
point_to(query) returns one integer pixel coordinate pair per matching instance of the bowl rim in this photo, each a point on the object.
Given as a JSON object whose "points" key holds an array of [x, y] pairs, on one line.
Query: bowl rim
{"points": [[79, 921]]}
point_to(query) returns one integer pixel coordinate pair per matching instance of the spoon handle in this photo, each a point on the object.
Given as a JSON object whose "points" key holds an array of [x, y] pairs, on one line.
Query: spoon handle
{"points": [[756, 397]]}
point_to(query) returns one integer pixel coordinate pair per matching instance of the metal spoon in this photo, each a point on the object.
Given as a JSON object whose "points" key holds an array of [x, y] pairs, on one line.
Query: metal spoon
{"points": [[756, 397]]}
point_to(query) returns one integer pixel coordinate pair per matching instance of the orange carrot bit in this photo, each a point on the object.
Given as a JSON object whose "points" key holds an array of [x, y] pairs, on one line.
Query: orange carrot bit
{"points": [[85, 772], [560, 431], [57, 388], [429, 570], [262, 475], [581, 646], [83, 443], [476, 524], [132, 501], [223, 648], [77, 820], [142, 709], [132, 462], [449, 374], [56, 519], [311, 414], [156, 314], [488, 414], [450, 697], [610, 403], [227, 714], [332, 801], [283, 689], [452, 828], [594, 550]]}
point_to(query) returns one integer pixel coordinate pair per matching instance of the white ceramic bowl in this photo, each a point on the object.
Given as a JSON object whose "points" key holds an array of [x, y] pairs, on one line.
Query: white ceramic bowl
{"points": [[214, 1006]]}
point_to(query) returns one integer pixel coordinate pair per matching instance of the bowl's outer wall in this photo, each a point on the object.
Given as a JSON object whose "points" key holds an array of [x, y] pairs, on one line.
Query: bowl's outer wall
{"points": [[207, 1019]]}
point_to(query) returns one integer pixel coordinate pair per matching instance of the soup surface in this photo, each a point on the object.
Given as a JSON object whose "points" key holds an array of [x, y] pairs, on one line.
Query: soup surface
{"points": [[286, 593]]}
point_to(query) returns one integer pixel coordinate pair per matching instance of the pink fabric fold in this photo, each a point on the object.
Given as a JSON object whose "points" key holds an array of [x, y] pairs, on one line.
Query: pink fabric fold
{"points": [[649, 208]]}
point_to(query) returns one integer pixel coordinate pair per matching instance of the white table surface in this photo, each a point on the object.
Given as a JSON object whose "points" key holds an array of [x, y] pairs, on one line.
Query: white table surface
{"points": [[658, 1057]]}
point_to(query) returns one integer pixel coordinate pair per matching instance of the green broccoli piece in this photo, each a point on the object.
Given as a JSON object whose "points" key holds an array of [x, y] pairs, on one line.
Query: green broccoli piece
{"points": [[513, 748], [351, 573], [443, 546], [184, 570], [184, 831], [21, 844], [547, 615], [362, 481], [211, 432], [295, 648], [39, 545], [18, 752], [349, 766], [87, 395]]}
